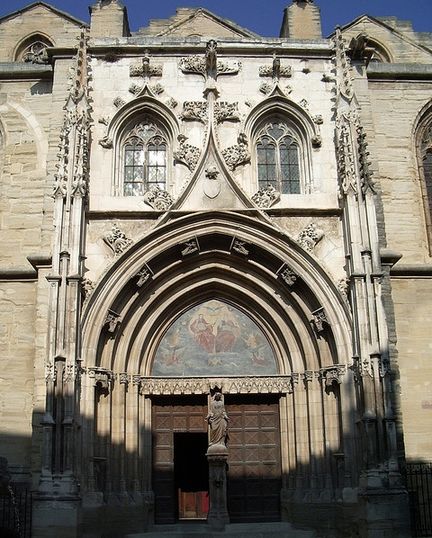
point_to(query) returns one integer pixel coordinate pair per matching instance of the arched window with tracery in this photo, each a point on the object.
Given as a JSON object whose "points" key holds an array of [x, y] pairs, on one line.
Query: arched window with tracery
{"points": [[32, 49], [278, 157], [144, 154], [425, 162]]}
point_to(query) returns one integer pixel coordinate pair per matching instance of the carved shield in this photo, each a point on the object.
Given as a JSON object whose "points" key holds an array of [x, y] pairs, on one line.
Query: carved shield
{"points": [[212, 187]]}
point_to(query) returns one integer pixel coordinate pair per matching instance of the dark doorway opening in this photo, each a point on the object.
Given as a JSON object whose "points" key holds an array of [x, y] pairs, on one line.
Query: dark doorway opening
{"points": [[191, 475]]}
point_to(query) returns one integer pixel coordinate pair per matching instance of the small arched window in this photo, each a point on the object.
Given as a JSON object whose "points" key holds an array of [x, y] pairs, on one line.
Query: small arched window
{"points": [[278, 157], [426, 165], [32, 49], [144, 154]]}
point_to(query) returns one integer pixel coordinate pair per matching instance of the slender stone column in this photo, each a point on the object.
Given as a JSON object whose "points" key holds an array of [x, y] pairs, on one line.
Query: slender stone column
{"points": [[217, 456]]}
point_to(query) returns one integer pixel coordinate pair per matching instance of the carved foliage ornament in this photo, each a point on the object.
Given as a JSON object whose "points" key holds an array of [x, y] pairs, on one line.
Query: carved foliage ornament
{"points": [[237, 154], [343, 66], [145, 69], [266, 197], [195, 110], [310, 236], [186, 153], [117, 240], [276, 70], [265, 385], [197, 65], [224, 111], [158, 199], [345, 155]]}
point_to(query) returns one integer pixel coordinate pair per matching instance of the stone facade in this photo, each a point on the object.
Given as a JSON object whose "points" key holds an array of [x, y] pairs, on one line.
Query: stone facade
{"points": [[193, 167]]}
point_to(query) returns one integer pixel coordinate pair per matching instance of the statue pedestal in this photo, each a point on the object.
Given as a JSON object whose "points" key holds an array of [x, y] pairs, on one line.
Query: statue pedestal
{"points": [[217, 456]]}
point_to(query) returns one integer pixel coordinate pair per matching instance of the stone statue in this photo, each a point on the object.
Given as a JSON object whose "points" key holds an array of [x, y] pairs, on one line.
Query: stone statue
{"points": [[218, 421]]}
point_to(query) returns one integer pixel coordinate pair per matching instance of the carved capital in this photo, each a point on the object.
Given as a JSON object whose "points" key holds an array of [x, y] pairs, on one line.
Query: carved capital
{"points": [[320, 320], [333, 374], [144, 275], [239, 246], [287, 275], [102, 377], [112, 321], [190, 247]]}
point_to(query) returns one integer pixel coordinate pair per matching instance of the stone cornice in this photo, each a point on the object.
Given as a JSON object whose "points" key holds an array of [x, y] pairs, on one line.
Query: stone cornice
{"points": [[406, 71], [412, 270], [133, 47]]}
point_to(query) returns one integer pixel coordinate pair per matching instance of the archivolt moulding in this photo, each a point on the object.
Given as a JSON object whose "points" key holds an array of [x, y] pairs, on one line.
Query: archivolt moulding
{"points": [[248, 282]]}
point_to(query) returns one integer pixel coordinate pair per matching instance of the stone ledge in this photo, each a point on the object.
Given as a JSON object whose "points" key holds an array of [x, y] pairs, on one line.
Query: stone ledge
{"points": [[406, 71], [415, 270], [17, 70]]}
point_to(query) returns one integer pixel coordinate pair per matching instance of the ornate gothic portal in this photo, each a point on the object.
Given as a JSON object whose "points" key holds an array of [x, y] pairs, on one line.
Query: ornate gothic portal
{"points": [[262, 324]]}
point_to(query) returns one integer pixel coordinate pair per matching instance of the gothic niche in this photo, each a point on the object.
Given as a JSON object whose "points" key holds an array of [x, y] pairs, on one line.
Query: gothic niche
{"points": [[214, 338]]}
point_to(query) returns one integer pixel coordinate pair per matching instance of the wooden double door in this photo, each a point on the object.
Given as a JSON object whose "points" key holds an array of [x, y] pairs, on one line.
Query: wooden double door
{"points": [[180, 471]]}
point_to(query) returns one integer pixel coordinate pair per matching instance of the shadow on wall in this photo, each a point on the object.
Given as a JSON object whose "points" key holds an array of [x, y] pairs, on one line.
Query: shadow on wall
{"points": [[127, 478]]}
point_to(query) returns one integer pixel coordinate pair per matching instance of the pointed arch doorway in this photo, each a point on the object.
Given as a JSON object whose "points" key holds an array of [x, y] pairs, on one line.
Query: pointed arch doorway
{"points": [[215, 338]]}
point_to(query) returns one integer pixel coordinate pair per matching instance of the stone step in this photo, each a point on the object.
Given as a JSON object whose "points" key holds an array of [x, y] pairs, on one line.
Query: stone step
{"points": [[233, 530]]}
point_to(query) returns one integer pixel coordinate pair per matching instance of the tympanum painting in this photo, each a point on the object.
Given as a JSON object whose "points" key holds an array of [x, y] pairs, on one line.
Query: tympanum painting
{"points": [[214, 338]]}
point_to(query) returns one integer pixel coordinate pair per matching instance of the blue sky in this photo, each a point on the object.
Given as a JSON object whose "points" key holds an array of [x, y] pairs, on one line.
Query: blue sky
{"points": [[263, 17]]}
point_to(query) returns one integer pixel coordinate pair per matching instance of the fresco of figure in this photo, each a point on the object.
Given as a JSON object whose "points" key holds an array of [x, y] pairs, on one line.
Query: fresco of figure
{"points": [[203, 333], [218, 421]]}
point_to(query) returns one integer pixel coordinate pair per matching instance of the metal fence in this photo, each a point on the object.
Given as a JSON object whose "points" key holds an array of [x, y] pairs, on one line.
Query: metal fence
{"points": [[419, 485], [15, 513]]}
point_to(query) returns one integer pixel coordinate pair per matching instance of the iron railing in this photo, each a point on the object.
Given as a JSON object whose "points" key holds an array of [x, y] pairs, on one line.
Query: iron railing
{"points": [[16, 513], [419, 485]]}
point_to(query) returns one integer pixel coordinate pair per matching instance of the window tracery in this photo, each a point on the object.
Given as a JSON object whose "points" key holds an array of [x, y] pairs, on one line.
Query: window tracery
{"points": [[32, 50], [278, 157], [426, 165], [144, 153]]}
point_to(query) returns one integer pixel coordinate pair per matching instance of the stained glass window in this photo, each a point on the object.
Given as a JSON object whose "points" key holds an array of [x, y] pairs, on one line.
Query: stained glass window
{"points": [[278, 158], [145, 158]]}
